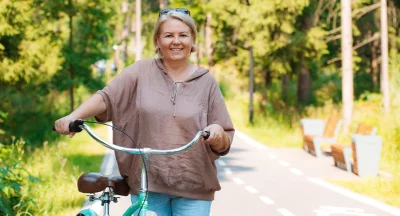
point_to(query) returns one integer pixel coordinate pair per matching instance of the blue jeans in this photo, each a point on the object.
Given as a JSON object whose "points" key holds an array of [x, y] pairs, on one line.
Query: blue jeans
{"points": [[167, 205]]}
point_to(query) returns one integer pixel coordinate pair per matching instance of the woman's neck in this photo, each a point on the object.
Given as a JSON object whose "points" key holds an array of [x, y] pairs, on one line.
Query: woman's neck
{"points": [[179, 70]]}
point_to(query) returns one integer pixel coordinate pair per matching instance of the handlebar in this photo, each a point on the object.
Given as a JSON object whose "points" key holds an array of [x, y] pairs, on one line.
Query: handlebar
{"points": [[78, 125]]}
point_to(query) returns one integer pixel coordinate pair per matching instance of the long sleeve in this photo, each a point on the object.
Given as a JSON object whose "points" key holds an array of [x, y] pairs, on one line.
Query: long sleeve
{"points": [[120, 94], [218, 114]]}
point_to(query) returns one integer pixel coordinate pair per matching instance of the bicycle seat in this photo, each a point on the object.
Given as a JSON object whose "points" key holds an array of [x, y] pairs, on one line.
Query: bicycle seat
{"points": [[96, 182]]}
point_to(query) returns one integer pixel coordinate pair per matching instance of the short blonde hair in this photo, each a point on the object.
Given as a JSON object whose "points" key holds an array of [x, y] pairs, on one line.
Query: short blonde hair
{"points": [[185, 18]]}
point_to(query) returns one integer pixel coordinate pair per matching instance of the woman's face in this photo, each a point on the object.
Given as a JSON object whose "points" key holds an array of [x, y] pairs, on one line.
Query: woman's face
{"points": [[175, 40]]}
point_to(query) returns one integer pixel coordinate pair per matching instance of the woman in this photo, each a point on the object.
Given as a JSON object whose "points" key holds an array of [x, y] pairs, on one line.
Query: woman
{"points": [[162, 103]]}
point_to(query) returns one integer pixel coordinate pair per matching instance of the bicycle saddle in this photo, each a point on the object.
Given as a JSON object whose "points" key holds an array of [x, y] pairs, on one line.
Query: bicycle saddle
{"points": [[96, 182]]}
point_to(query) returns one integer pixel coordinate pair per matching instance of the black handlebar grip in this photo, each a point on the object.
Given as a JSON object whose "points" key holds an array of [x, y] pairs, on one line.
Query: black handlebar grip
{"points": [[74, 126], [207, 134]]}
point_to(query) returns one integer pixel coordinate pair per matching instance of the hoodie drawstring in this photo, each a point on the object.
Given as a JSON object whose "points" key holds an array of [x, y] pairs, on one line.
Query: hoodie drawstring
{"points": [[173, 95]]}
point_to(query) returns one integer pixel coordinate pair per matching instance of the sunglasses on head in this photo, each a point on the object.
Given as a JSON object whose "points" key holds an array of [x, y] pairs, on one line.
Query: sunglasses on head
{"points": [[180, 10]]}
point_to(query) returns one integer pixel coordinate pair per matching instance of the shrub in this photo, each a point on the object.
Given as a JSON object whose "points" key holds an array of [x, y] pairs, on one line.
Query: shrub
{"points": [[14, 180]]}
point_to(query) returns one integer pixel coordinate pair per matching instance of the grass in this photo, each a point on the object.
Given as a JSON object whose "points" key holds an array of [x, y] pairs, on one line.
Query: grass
{"points": [[277, 130], [385, 190], [266, 129], [58, 167]]}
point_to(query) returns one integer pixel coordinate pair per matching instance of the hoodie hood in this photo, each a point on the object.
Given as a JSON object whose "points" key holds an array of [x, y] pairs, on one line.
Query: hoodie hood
{"points": [[200, 71]]}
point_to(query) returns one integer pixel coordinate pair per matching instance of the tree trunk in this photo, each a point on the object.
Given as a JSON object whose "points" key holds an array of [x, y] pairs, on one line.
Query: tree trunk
{"points": [[199, 52], [268, 78], [304, 79], [71, 66], [347, 64], [374, 65], [251, 86], [209, 48], [138, 30], [125, 30], [385, 58], [303, 85], [285, 87]]}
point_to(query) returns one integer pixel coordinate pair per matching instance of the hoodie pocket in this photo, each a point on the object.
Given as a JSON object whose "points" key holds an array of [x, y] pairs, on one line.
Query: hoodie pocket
{"points": [[189, 175]]}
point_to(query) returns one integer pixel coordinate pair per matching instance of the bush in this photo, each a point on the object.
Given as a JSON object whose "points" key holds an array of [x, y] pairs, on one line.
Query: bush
{"points": [[14, 180]]}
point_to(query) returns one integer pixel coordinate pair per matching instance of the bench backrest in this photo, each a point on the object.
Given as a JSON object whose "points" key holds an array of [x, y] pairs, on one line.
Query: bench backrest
{"points": [[332, 126], [366, 129]]}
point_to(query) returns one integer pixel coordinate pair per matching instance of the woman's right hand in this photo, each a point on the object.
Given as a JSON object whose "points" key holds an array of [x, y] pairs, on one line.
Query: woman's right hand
{"points": [[62, 125]]}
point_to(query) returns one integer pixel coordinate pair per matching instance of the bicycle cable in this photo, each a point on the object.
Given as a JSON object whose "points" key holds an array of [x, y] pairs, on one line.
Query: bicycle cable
{"points": [[141, 154]]}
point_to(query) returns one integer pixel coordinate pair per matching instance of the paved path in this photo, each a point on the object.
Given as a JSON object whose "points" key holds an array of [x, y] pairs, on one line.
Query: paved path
{"points": [[257, 180]]}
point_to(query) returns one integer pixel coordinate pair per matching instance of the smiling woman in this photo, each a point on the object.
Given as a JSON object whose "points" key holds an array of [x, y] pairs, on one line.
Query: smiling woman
{"points": [[162, 103]]}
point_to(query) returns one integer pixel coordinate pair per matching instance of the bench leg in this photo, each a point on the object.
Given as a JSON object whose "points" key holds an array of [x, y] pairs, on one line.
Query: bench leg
{"points": [[306, 147], [317, 147], [347, 152]]}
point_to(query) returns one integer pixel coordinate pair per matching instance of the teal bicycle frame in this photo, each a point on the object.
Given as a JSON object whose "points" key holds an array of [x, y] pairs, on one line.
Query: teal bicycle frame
{"points": [[108, 196]]}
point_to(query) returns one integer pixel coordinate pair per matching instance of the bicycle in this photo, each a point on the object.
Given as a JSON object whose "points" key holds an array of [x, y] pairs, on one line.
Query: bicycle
{"points": [[111, 187]]}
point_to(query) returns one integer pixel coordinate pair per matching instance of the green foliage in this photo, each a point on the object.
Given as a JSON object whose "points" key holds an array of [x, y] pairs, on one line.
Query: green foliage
{"points": [[35, 182], [15, 180], [28, 51], [30, 115], [36, 57], [92, 40], [59, 165], [3, 116]]}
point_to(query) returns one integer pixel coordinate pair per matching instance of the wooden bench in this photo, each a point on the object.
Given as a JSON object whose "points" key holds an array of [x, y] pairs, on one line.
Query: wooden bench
{"points": [[342, 154], [315, 133]]}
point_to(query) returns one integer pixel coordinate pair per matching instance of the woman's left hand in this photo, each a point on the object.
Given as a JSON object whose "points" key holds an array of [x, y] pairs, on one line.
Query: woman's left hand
{"points": [[217, 134]]}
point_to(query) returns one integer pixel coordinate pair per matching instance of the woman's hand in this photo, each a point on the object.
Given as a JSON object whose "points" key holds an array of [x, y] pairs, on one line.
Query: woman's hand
{"points": [[62, 125], [217, 137]]}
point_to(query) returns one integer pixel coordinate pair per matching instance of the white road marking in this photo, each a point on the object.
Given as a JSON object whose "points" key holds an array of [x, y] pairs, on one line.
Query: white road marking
{"points": [[250, 141], [228, 171], [221, 163], [251, 189], [285, 212], [266, 200], [361, 198], [238, 181], [284, 163], [272, 156], [296, 171], [333, 210]]}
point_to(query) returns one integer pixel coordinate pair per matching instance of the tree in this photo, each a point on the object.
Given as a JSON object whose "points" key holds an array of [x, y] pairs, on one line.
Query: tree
{"points": [[347, 62], [138, 30], [385, 57]]}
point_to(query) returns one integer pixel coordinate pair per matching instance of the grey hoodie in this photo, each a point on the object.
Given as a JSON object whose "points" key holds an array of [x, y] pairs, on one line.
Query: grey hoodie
{"points": [[147, 104]]}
